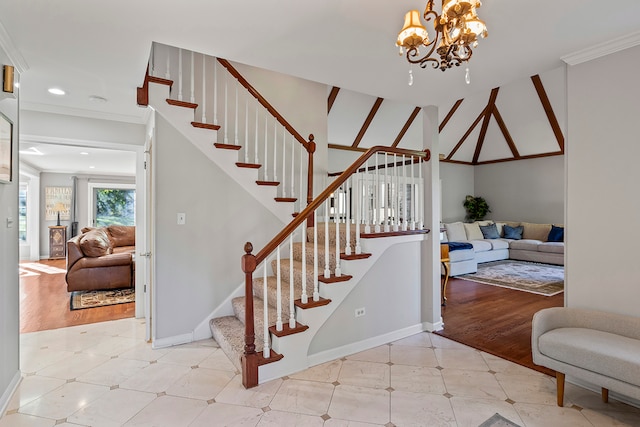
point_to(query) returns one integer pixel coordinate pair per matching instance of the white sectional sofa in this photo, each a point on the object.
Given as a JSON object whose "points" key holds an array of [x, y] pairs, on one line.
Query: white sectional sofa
{"points": [[489, 243]]}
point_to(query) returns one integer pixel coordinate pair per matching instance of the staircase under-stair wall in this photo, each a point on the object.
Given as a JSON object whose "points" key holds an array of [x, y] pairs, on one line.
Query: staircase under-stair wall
{"points": [[342, 276]]}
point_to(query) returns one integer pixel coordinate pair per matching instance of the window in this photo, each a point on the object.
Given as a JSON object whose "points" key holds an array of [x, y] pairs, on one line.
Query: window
{"points": [[22, 213], [113, 204]]}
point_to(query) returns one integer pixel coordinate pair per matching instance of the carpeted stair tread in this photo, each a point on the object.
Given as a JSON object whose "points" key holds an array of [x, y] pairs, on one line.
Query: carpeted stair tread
{"points": [[297, 254], [228, 332], [297, 274], [332, 234], [239, 308]]}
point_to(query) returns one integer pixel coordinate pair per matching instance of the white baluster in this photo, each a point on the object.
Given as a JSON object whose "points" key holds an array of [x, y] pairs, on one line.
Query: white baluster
{"points": [[192, 97], [278, 292], [336, 217], [292, 318], [358, 205], [215, 91], [414, 195], [327, 271], [167, 71], [266, 156], [316, 294], [204, 89], [396, 198], [304, 298], [405, 211], [365, 199], [347, 201], [293, 166], [300, 196], [265, 350], [180, 74], [421, 205], [387, 196], [255, 145], [235, 132], [246, 129], [275, 149], [377, 202], [226, 107], [284, 162]]}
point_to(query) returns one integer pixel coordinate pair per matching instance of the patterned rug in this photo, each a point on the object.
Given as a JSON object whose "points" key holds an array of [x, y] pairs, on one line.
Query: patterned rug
{"points": [[90, 299], [541, 279], [498, 420]]}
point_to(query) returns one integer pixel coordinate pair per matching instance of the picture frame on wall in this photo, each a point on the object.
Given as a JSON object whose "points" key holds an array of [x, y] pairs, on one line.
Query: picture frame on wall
{"points": [[57, 203], [6, 149]]}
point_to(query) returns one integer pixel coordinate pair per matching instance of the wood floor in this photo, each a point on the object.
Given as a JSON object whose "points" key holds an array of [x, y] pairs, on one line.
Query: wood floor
{"points": [[494, 319], [44, 303]]}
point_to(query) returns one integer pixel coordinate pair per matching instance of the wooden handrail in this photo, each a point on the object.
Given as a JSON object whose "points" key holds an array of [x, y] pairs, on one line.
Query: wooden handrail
{"points": [[311, 207], [253, 91]]}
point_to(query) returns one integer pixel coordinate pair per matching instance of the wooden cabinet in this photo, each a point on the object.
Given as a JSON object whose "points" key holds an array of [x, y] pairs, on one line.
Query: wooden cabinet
{"points": [[57, 241]]}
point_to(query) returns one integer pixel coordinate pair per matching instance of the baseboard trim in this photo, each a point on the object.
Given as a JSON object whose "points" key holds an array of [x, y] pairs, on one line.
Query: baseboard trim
{"points": [[431, 327], [203, 330], [345, 350], [171, 341], [8, 393], [597, 389]]}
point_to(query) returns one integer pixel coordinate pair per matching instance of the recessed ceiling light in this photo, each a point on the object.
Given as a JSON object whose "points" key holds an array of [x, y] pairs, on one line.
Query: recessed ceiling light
{"points": [[92, 167], [56, 91], [97, 99], [84, 153], [33, 151]]}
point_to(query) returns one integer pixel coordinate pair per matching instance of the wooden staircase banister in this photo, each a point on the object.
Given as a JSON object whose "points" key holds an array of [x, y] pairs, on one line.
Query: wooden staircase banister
{"points": [[253, 91], [311, 207]]}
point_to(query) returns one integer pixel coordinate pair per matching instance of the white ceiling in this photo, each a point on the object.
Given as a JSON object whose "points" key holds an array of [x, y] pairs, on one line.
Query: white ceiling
{"points": [[89, 48]]}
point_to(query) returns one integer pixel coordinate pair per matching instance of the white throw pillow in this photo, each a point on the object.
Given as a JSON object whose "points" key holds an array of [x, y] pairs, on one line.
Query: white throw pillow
{"points": [[455, 232], [473, 231]]}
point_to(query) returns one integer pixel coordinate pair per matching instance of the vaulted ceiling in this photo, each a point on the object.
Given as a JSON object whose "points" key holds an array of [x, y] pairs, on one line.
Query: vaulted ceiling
{"points": [[522, 119]]}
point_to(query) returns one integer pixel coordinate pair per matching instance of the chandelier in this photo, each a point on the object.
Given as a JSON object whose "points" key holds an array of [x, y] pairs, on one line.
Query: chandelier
{"points": [[457, 30]]}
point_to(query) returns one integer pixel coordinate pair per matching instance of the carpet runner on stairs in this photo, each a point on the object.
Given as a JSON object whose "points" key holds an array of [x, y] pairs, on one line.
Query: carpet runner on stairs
{"points": [[228, 331]]}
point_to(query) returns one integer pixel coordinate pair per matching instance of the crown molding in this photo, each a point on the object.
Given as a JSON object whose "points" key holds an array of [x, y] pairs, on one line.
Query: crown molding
{"points": [[16, 58], [602, 49], [91, 114]]}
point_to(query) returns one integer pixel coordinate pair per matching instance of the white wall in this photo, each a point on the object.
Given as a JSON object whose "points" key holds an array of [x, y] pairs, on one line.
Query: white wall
{"points": [[529, 190], [457, 181], [198, 264], [9, 250], [603, 206]]}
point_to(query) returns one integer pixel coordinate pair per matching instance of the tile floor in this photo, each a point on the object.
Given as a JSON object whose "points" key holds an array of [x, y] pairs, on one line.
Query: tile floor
{"points": [[105, 375]]}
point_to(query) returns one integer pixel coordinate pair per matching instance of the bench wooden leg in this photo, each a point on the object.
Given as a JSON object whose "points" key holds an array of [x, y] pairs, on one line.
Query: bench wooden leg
{"points": [[560, 387], [605, 395]]}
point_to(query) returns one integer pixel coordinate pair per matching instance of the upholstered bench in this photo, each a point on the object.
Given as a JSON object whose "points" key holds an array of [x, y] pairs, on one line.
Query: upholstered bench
{"points": [[597, 347]]}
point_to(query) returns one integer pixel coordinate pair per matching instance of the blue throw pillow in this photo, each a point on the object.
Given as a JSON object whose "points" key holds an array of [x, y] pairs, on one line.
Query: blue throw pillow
{"points": [[514, 233], [490, 231], [556, 234]]}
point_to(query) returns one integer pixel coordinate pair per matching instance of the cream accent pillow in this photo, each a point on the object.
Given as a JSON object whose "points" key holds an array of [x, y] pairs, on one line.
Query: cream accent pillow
{"points": [[500, 227], [484, 223], [473, 231], [536, 231], [455, 232]]}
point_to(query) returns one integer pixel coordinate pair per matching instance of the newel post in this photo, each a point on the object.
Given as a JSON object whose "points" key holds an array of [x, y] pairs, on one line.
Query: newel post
{"points": [[311, 148], [249, 359]]}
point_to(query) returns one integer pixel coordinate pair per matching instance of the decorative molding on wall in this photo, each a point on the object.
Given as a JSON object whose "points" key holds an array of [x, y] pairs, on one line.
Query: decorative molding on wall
{"points": [[602, 49], [16, 58]]}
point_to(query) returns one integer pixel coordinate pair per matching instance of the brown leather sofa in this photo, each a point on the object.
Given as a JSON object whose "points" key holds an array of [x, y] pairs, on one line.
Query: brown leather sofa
{"points": [[101, 258]]}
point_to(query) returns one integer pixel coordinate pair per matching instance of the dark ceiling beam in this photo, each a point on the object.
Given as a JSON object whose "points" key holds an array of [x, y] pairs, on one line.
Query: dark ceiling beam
{"points": [[505, 133], [466, 135], [532, 156], [367, 122], [406, 126], [485, 123], [544, 99], [332, 97], [450, 114]]}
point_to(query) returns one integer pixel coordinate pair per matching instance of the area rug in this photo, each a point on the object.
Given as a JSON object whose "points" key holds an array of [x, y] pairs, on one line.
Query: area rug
{"points": [[90, 299], [541, 279], [498, 420]]}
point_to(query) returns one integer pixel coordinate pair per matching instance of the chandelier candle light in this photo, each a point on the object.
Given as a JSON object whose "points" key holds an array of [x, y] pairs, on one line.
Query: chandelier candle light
{"points": [[457, 30]]}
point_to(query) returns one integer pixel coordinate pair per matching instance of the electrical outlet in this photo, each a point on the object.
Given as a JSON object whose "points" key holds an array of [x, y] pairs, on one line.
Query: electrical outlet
{"points": [[360, 312], [182, 219]]}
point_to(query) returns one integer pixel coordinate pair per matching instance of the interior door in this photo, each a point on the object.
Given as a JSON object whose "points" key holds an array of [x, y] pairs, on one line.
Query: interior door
{"points": [[145, 254]]}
